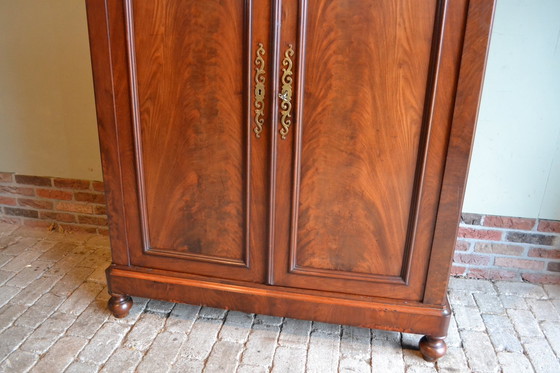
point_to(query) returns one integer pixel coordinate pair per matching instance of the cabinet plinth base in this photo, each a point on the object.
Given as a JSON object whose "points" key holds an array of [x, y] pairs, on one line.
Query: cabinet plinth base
{"points": [[368, 312], [119, 305], [432, 348]]}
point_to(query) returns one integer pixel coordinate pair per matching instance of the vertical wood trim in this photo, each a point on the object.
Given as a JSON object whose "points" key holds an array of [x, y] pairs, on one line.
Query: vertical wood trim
{"points": [[424, 140], [298, 124], [275, 29], [248, 46], [104, 89], [473, 61], [135, 111]]}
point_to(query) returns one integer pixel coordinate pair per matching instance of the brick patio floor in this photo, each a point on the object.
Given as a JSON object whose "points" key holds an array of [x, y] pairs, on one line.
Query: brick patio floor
{"points": [[53, 318]]}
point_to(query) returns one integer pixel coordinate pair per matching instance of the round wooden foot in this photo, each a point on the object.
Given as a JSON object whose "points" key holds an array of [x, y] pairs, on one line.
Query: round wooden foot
{"points": [[432, 348], [120, 305]]}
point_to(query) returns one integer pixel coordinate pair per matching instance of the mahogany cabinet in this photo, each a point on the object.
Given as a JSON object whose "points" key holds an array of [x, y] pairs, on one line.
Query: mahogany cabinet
{"points": [[301, 158]]}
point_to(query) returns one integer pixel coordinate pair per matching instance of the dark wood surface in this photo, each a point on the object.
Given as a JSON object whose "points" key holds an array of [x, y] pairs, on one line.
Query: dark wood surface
{"points": [[432, 348], [194, 184], [191, 125], [376, 313], [366, 70], [119, 305], [349, 219], [473, 62], [359, 177]]}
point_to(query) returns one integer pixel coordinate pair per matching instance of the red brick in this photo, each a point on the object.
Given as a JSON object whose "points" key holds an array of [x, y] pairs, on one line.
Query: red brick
{"points": [[33, 180], [7, 201], [532, 238], [540, 278], [552, 226], [458, 270], [14, 211], [497, 248], [71, 183], [481, 260], [100, 210], [78, 228], [507, 222], [92, 220], [83, 208], [37, 223], [10, 220], [553, 267], [17, 191], [492, 274], [98, 186], [461, 245], [6, 177], [54, 194], [90, 197], [480, 234], [36, 204], [540, 252], [471, 219], [103, 231], [58, 216], [519, 263]]}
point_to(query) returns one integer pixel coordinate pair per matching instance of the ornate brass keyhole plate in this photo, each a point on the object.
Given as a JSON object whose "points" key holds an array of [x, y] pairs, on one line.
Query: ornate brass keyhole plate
{"points": [[260, 90], [286, 94]]}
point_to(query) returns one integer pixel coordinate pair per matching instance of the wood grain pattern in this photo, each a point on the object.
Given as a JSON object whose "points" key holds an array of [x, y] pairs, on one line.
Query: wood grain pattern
{"points": [[366, 76], [352, 218], [276, 19], [143, 80], [98, 25], [366, 178], [475, 49], [192, 119], [377, 313]]}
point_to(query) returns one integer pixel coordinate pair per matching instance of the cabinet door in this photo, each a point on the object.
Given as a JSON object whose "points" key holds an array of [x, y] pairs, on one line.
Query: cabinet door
{"points": [[186, 173], [359, 173]]}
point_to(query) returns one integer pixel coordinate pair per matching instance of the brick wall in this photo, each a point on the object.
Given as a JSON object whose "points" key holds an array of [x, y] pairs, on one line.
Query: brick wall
{"points": [[55, 203], [506, 248], [489, 247]]}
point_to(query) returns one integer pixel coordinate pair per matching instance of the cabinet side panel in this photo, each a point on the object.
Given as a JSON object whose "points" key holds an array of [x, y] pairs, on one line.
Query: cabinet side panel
{"points": [[475, 49], [98, 26]]}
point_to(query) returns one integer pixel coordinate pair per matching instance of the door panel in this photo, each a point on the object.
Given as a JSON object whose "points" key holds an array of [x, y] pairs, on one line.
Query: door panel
{"points": [[367, 77], [364, 96], [191, 74], [192, 126]]}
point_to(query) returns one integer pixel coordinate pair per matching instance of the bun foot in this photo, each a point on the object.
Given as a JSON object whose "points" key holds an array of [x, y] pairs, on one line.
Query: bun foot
{"points": [[120, 305], [432, 348]]}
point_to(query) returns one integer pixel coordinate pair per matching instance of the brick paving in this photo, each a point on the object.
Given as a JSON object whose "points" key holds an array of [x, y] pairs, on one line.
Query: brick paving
{"points": [[53, 318]]}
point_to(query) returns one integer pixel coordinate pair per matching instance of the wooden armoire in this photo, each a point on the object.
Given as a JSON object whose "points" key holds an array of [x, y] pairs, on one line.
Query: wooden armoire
{"points": [[298, 158]]}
